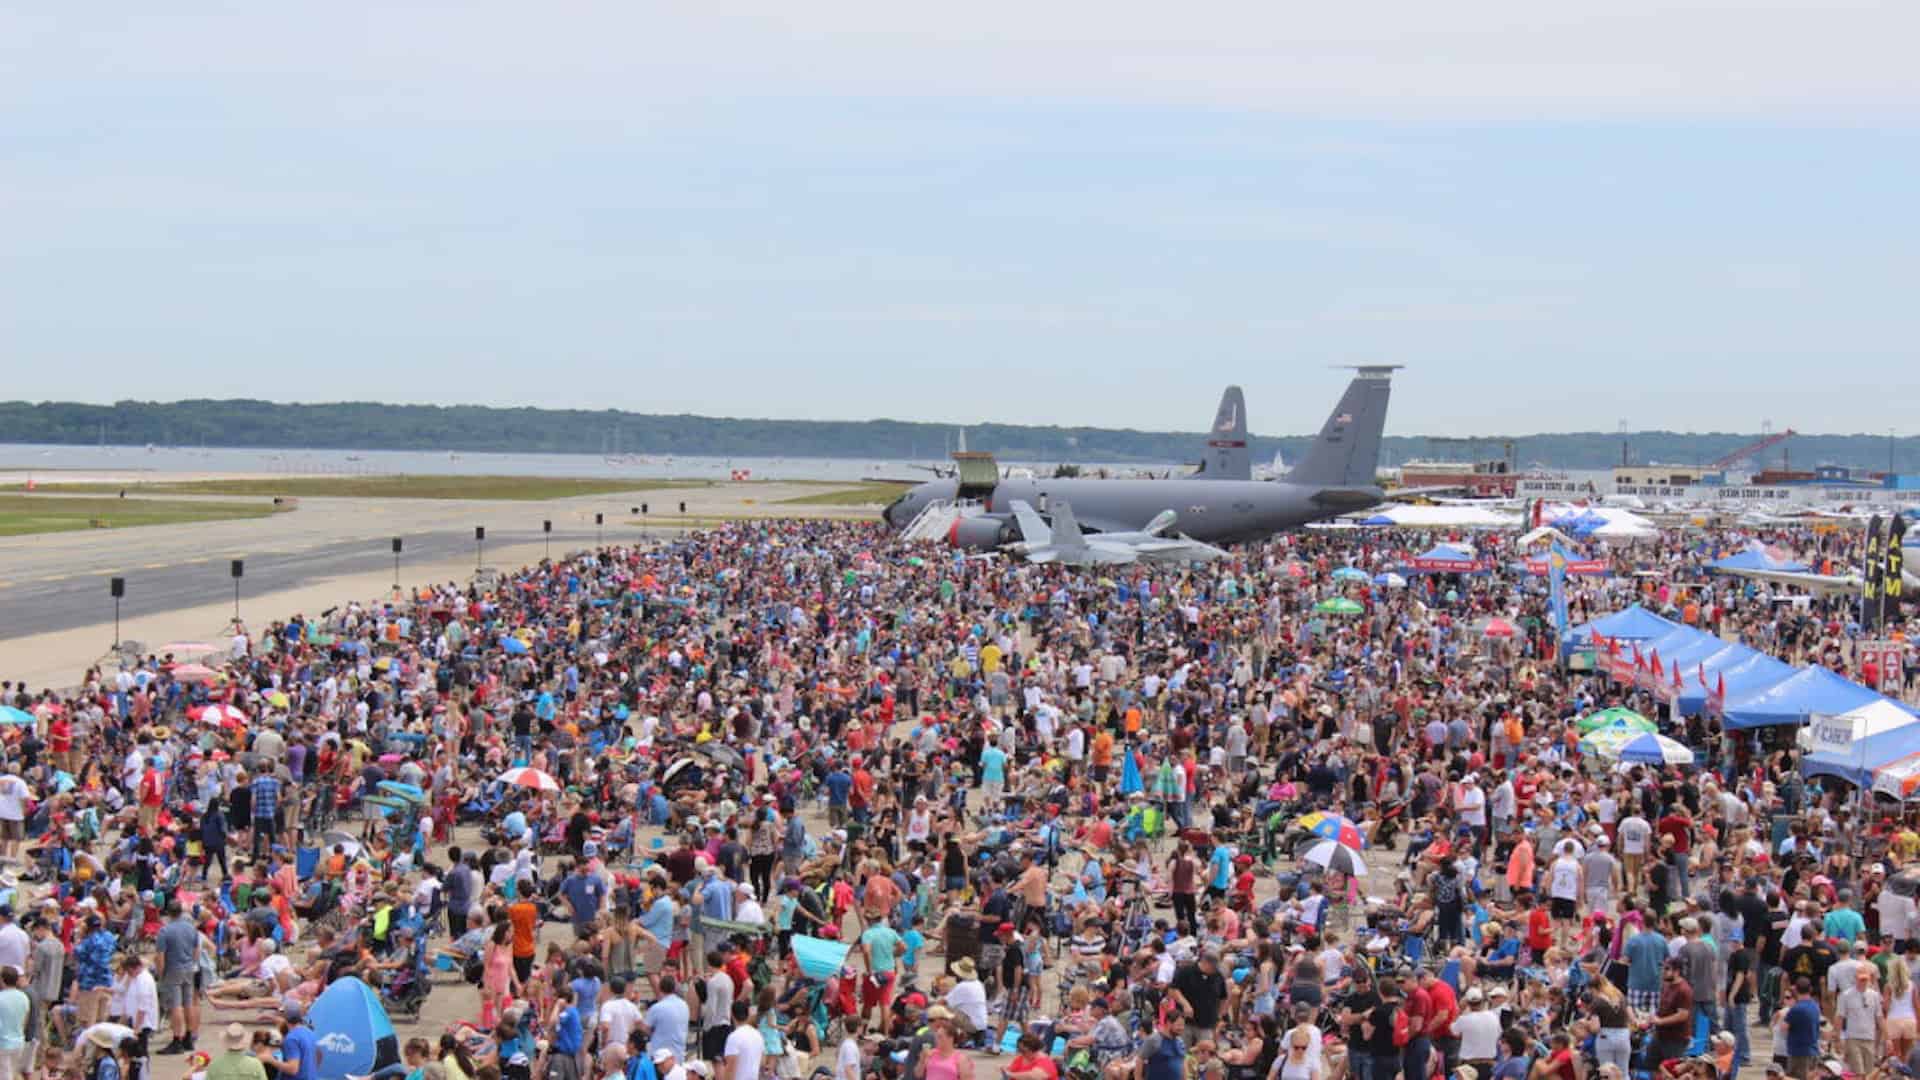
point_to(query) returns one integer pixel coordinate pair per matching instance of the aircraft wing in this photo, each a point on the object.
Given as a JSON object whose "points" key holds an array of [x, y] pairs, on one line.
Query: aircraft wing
{"points": [[1818, 584]]}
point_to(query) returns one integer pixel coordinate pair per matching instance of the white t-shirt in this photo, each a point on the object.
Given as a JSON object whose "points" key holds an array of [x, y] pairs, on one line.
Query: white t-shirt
{"points": [[846, 1063], [619, 1015], [969, 999], [746, 1047], [1565, 884], [1634, 832], [1479, 1033], [13, 798]]}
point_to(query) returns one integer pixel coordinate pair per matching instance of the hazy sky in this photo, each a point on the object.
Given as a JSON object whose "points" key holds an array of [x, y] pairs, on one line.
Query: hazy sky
{"points": [[1692, 214]]}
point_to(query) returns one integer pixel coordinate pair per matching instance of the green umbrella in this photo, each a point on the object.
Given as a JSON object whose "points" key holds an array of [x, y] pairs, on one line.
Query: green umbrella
{"points": [[1612, 717], [1339, 605], [1605, 741]]}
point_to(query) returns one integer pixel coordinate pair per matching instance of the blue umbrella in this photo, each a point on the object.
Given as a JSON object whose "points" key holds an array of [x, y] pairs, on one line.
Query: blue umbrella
{"points": [[357, 1037], [1349, 573], [1130, 781], [818, 957], [513, 645], [11, 715]]}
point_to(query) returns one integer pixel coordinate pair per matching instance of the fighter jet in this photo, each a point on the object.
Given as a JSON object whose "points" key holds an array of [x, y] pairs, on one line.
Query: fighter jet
{"points": [[1335, 476], [1063, 542]]}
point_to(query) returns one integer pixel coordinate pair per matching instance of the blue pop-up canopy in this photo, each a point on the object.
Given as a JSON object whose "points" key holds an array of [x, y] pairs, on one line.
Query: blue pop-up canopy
{"points": [[1632, 624], [1793, 699], [353, 1031], [1746, 671]]}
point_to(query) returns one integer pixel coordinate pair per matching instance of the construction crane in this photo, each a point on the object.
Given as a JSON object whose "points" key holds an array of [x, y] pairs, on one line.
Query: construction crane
{"points": [[1752, 451]]}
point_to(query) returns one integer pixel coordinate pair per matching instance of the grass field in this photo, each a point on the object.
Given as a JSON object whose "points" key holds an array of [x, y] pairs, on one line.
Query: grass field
{"points": [[21, 515], [378, 487], [865, 493]]}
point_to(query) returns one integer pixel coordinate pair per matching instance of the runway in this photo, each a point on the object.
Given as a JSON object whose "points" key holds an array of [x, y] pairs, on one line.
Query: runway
{"points": [[69, 600], [55, 582]]}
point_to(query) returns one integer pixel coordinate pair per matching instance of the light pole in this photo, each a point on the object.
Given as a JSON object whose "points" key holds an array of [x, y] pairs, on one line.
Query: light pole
{"points": [[599, 532], [239, 568], [479, 546], [396, 564], [547, 528]]}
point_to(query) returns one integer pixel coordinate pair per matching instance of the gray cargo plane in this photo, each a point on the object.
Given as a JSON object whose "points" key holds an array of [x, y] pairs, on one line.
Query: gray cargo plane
{"points": [[1335, 476]]}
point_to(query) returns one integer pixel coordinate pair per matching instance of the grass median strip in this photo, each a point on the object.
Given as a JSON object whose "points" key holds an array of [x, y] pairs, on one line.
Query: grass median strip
{"points": [[22, 515], [865, 493]]}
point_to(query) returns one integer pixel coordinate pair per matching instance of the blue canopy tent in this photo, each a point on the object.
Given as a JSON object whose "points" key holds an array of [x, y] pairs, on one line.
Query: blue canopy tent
{"points": [[354, 1031], [1793, 699], [1445, 559], [1632, 624], [1858, 746], [1756, 558], [1746, 670]]}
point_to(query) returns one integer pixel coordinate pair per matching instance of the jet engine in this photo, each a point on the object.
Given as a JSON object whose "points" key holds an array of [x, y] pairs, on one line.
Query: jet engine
{"points": [[982, 533]]}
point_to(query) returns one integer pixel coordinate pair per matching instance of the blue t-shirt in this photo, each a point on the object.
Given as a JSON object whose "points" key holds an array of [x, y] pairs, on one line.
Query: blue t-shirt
{"points": [[299, 1045], [658, 919], [584, 892], [1221, 863], [1646, 952], [1514, 1068], [839, 783], [667, 1020], [1803, 1029], [993, 764], [910, 943], [1845, 924], [566, 1033]]}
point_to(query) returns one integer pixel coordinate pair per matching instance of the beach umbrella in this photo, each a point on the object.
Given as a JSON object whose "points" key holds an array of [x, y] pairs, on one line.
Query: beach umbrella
{"points": [[1349, 573], [194, 673], [1650, 749], [278, 699], [1339, 605], [11, 715], [1496, 627], [1390, 580], [1333, 827], [1614, 717], [186, 648], [218, 714], [1336, 857], [530, 778]]}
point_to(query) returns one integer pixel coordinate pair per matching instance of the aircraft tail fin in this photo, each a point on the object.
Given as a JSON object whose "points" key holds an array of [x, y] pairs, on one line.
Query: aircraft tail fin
{"points": [[1347, 452], [1032, 529], [1161, 522], [1225, 456], [1066, 528]]}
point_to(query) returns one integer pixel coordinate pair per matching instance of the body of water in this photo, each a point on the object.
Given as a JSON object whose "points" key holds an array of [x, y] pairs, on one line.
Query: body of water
{"points": [[164, 461]]}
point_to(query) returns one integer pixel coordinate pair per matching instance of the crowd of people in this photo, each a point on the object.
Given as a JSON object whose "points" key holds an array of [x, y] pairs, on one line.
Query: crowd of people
{"points": [[792, 797]]}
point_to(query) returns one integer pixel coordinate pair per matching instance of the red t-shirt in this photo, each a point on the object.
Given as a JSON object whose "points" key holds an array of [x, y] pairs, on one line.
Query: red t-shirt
{"points": [[1680, 829], [1539, 930], [60, 735], [1029, 1062]]}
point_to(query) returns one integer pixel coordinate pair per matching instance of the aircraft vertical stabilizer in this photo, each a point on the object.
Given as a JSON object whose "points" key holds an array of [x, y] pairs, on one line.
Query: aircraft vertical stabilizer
{"points": [[1066, 529], [1347, 453], [1225, 457], [1032, 529]]}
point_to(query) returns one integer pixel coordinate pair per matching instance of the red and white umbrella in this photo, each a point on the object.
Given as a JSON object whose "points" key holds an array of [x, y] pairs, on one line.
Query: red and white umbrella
{"points": [[219, 714], [195, 673], [530, 778], [1497, 627]]}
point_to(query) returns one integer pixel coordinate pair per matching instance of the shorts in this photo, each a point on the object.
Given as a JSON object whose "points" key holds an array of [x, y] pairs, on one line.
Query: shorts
{"points": [[175, 993], [874, 990], [956, 882], [12, 830], [1564, 908]]}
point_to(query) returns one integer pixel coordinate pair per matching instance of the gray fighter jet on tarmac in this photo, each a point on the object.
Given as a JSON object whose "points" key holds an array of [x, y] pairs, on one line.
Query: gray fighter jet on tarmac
{"points": [[1063, 542], [1335, 476]]}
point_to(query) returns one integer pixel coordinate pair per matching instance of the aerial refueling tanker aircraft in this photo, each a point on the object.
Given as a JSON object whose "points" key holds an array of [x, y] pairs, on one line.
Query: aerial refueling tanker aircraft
{"points": [[1219, 504]]}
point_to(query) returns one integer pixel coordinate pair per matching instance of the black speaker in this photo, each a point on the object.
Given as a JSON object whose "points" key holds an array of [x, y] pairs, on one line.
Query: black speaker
{"points": [[546, 526], [479, 532], [599, 519], [239, 567], [117, 586], [396, 545]]}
